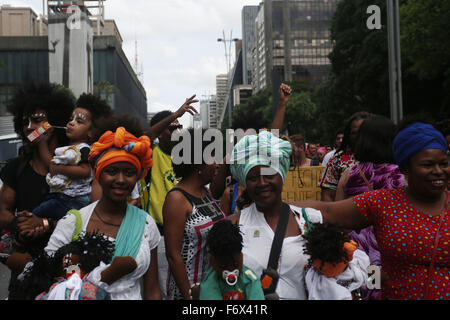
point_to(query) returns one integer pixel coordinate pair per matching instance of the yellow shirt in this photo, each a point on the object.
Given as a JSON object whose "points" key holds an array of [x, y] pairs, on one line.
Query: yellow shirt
{"points": [[162, 180]]}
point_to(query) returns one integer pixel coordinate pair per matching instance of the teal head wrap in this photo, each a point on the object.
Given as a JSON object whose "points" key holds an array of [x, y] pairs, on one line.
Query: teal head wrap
{"points": [[263, 149]]}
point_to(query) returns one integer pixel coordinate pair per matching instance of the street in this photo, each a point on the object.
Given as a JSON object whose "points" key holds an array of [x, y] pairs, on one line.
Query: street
{"points": [[4, 281]]}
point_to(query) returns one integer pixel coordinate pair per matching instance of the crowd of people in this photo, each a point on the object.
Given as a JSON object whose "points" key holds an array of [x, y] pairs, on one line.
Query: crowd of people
{"points": [[97, 208]]}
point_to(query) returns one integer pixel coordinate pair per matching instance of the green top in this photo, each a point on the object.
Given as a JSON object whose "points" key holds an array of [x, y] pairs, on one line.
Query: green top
{"points": [[248, 287]]}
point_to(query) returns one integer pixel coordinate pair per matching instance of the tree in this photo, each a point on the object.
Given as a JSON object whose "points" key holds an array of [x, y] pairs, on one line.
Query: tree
{"points": [[425, 39], [359, 77]]}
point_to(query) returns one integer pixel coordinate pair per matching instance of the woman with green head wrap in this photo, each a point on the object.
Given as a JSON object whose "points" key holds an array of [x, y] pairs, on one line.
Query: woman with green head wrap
{"points": [[260, 163]]}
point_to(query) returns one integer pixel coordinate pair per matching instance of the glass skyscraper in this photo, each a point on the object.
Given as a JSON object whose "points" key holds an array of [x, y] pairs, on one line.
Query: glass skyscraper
{"points": [[297, 39]]}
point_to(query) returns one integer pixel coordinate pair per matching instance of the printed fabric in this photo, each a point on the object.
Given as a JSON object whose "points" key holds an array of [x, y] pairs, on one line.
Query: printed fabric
{"points": [[247, 287], [162, 180], [335, 168], [194, 252], [406, 240]]}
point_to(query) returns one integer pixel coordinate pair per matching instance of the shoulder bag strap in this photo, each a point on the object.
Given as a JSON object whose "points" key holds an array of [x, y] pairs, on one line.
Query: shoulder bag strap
{"points": [[364, 177], [280, 232]]}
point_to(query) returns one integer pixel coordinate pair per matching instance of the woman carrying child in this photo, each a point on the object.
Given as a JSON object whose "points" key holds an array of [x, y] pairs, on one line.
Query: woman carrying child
{"points": [[70, 175], [119, 160]]}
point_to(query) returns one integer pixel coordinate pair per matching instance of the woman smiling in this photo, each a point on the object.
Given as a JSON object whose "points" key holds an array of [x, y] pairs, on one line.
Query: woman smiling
{"points": [[119, 160], [411, 225]]}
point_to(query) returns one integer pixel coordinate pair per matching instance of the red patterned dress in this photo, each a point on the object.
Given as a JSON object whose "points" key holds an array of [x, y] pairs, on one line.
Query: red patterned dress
{"points": [[407, 241], [335, 168]]}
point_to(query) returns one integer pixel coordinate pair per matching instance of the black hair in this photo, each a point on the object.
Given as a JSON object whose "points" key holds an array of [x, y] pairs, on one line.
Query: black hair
{"points": [[159, 117], [346, 143], [224, 239], [130, 123], [339, 131], [444, 127], [95, 105], [374, 143], [422, 117], [298, 137], [92, 248], [99, 109], [57, 101], [326, 242], [183, 169]]}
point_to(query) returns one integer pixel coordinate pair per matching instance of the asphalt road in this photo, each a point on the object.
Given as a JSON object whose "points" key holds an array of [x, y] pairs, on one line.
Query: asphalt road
{"points": [[4, 281]]}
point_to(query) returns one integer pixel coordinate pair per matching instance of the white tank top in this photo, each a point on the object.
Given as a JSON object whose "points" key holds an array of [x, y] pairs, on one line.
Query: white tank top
{"points": [[258, 237]]}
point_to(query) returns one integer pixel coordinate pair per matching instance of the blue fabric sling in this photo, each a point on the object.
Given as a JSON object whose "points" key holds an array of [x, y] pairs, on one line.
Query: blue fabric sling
{"points": [[129, 237]]}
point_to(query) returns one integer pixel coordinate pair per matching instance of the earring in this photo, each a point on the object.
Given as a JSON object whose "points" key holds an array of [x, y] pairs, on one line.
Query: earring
{"points": [[199, 172]]}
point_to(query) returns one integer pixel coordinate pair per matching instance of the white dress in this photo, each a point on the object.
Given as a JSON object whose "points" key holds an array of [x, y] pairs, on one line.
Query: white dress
{"points": [[129, 286], [258, 237]]}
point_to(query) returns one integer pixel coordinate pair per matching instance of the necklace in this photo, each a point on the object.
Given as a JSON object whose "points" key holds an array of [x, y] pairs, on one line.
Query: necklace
{"points": [[107, 223]]}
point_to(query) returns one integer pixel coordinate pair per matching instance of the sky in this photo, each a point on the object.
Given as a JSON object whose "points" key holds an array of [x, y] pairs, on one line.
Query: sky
{"points": [[177, 44]]}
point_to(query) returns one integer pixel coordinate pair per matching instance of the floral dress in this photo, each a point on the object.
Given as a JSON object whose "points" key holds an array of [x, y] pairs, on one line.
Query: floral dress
{"points": [[408, 243], [335, 168]]}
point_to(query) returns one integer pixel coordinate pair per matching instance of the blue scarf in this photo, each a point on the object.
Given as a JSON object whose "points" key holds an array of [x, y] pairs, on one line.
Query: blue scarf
{"points": [[129, 237], [415, 138]]}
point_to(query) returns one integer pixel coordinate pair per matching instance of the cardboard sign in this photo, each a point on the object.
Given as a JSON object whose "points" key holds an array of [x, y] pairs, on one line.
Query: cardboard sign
{"points": [[302, 184]]}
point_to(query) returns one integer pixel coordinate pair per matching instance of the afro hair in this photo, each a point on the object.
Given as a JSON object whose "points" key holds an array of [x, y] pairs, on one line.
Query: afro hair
{"points": [[57, 101], [326, 243], [92, 248], [224, 239]]}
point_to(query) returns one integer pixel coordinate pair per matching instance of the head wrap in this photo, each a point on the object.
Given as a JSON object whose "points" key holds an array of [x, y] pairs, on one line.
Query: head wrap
{"points": [[121, 146], [415, 138], [263, 149]]}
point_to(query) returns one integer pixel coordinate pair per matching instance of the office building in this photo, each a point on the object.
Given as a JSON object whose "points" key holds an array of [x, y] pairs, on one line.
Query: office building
{"points": [[296, 40], [249, 14], [221, 92], [25, 56]]}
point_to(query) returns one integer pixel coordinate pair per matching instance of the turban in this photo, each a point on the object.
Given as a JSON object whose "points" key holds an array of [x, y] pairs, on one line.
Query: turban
{"points": [[264, 149], [415, 138], [121, 146]]}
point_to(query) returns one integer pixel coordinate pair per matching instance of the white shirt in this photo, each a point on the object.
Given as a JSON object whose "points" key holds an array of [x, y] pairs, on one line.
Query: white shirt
{"points": [[257, 240], [328, 157], [127, 287]]}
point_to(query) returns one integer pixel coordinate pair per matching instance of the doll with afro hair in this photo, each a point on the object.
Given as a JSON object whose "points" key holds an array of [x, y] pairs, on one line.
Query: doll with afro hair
{"points": [[337, 269], [55, 277], [228, 278]]}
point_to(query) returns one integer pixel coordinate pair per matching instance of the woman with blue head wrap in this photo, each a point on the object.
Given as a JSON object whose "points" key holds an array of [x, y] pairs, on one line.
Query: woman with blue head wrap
{"points": [[260, 162], [415, 138], [412, 224]]}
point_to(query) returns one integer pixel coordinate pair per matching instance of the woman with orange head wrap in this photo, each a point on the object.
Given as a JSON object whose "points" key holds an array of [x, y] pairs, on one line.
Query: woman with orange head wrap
{"points": [[119, 159]]}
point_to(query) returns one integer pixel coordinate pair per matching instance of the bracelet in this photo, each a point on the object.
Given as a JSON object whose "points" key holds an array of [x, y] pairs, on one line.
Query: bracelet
{"points": [[190, 289], [46, 224]]}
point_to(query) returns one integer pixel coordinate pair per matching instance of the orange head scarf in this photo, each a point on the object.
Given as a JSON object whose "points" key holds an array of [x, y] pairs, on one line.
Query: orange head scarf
{"points": [[121, 146]]}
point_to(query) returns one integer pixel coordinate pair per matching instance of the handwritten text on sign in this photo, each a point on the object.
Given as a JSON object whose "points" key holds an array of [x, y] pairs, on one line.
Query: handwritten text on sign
{"points": [[302, 184]]}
